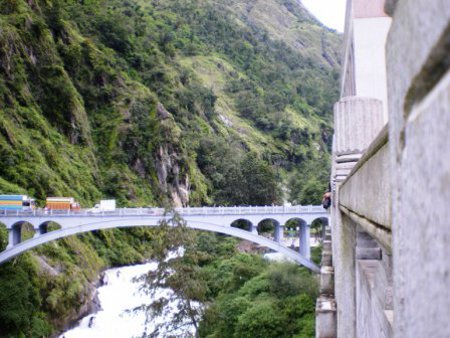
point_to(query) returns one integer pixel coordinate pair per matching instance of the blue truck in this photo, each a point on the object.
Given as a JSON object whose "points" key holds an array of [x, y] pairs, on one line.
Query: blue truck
{"points": [[16, 202]]}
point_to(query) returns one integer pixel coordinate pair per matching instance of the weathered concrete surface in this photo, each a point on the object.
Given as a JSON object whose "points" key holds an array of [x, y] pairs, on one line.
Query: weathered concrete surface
{"points": [[372, 320], [402, 287], [419, 99], [357, 121], [421, 220], [344, 242], [326, 281], [373, 178], [325, 318]]}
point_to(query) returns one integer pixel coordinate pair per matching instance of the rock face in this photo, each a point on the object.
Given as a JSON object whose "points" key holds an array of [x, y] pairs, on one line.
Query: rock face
{"points": [[88, 298], [172, 176]]}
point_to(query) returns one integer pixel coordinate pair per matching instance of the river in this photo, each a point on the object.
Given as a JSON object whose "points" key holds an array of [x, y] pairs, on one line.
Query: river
{"points": [[119, 295]]}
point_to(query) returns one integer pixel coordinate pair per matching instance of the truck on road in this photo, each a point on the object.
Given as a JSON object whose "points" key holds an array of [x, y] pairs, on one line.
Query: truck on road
{"points": [[16, 202], [61, 203], [104, 205]]}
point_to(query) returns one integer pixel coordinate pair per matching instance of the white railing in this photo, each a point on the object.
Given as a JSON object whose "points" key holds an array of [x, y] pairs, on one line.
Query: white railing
{"points": [[236, 210]]}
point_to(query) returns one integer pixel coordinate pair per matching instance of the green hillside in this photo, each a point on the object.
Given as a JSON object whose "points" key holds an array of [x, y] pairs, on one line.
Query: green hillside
{"points": [[81, 83]]}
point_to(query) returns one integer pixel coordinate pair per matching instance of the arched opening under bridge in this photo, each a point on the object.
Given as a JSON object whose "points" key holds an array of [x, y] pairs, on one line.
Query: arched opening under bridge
{"points": [[136, 222]]}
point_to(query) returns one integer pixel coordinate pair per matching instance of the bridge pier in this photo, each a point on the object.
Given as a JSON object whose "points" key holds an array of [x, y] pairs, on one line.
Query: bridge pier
{"points": [[279, 233], [305, 247], [14, 236], [254, 228], [37, 232]]}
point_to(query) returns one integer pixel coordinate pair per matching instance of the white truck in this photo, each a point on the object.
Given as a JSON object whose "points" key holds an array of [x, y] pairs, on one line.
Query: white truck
{"points": [[104, 205]]}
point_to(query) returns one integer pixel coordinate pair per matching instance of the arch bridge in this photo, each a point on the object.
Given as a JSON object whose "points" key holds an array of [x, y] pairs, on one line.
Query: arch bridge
{"points": [[240, 222]]}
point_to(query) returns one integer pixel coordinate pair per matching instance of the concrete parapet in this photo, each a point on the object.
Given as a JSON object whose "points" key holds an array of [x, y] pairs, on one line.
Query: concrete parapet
{"points": [[418, 62], [367, 191], [325, 318]]}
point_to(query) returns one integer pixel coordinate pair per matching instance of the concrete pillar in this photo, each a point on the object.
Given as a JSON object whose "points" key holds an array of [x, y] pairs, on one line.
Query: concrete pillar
{"points": [[324, 230], [10, 239], [326, 281], [37, 232], [14, 236], [326, 254], [279, 232], [344, 243], [357, 121], [305, 248], [254, 228], [325, 317]]}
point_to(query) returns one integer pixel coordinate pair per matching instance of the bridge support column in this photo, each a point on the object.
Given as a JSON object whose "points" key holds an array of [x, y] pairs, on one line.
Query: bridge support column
{"points": [[254, 228], [37, 232], [10, 239], [279, 233], [14, 236], [305, 248]]}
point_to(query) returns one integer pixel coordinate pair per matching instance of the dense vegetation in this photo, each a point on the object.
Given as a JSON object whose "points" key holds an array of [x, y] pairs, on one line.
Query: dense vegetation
{"points": [[44, 291], [123, 97], [224, 294], [153, 102]]}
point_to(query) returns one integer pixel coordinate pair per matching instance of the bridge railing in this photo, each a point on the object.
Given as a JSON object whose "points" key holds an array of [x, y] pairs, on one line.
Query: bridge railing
{"points": [[235, 210]]}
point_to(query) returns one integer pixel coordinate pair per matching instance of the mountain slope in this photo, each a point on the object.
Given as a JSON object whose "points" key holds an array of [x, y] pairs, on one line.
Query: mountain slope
{"points": [[81, 84]]}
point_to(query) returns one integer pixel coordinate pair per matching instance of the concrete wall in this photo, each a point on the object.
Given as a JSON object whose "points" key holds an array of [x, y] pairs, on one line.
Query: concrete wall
{"points": [[391, 214], [418, 58]]}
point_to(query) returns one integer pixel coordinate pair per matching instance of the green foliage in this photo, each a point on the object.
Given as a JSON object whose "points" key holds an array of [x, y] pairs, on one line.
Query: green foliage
{"points": [[279, 301], [260, 321], [237, 295], [3, 237], [235, 177], [20, 301], [99, 93]]}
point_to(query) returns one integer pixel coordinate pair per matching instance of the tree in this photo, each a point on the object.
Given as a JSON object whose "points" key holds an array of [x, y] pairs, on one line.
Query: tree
{"points": [[259, 181], [178, 270], [262, 320]]}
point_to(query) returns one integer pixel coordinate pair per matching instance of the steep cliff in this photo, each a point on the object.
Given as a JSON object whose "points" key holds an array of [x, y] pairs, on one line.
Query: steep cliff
{"points": [[82, 83]]}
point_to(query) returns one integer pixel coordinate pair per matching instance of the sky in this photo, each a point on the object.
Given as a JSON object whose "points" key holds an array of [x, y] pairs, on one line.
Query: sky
{"points": [[330, 12]]}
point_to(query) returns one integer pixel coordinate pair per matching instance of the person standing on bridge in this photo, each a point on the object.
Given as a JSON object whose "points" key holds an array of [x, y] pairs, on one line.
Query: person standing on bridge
{"points": [[326, 199]]}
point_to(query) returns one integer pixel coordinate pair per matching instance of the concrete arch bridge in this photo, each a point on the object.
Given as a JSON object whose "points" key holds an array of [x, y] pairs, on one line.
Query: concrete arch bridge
{"points": [[223, 220]]}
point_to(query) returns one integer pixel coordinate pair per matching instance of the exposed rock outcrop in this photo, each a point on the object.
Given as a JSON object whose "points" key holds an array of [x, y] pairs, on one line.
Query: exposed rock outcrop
{"points": [[169, 160]]}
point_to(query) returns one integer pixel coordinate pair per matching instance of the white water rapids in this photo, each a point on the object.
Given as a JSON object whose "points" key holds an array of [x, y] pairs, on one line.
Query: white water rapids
{"points": [[118, 295]]}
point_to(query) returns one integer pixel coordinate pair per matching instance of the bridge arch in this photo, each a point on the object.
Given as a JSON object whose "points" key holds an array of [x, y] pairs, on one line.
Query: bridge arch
{"points": [[302, 230], [48, 226], [243, 224], [133, 222], [267, 225], [20, 231], [295, 222], [318, 225]]}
